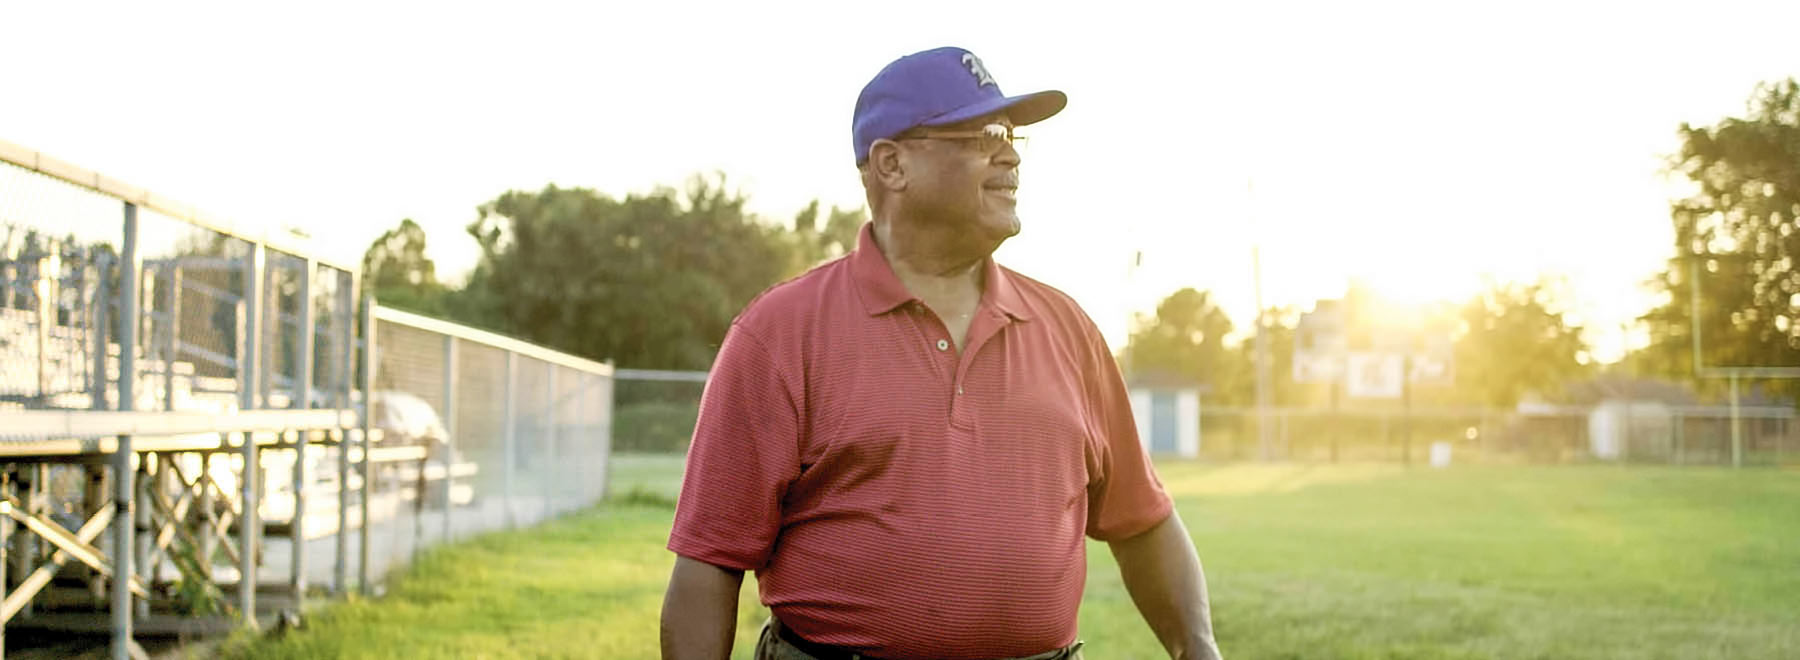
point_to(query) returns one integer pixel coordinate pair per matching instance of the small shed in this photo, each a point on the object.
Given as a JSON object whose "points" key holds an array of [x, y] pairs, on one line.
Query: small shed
{"points": [[1167, 408], [1630, 417]]}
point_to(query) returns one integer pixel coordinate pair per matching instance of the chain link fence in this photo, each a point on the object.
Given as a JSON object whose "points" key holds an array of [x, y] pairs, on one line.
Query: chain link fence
{"points": [[511, 434], [1636, 433], [58, 248], [657, 410], [141, 313]]}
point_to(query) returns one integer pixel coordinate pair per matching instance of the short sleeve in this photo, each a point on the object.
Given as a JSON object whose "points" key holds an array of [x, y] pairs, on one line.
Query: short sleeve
{"points": [[1126, 498], [743, 456]]}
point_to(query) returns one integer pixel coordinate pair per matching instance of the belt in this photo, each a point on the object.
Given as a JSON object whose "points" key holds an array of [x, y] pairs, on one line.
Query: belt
{"points": [[829, 652], [815, 649]]}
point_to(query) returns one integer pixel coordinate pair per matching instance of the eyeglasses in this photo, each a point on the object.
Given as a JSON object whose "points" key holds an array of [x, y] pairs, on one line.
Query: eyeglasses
{"points": [[988, 138]]}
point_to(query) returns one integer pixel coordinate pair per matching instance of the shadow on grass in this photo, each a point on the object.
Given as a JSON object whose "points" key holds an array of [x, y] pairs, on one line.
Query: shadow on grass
{"points": [[641, 496]]}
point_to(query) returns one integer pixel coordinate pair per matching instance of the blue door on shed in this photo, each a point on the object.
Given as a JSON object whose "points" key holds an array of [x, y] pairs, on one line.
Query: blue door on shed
{"points": [[1163, 423]]}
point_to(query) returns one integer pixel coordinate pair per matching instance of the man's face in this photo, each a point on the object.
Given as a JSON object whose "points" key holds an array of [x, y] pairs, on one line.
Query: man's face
{"points": [[967, 177]]}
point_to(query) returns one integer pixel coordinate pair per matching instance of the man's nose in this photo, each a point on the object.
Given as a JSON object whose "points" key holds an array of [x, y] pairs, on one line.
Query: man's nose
{"points": [[1008, 155]]}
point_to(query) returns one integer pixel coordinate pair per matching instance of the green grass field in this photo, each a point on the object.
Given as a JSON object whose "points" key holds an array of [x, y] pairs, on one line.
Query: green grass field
{"points": [[1353, 561]]}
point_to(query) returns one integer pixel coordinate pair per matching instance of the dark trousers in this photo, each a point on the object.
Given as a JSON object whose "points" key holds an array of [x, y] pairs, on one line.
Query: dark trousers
{"points": [[770, 646]]}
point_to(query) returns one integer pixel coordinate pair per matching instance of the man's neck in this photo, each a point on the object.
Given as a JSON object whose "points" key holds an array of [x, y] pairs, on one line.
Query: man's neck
{"points": [[932, 265]]}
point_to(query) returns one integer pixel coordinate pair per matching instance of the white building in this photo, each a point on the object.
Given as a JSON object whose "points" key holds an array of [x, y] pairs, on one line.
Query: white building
{"points": [[1168, 415]]}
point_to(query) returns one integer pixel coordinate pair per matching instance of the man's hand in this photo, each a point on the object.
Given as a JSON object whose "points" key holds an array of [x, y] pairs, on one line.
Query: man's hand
{"points": [[699, 615], [1164, 577]]}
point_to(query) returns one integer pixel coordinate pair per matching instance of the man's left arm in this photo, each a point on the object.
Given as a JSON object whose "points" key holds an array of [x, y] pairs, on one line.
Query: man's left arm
{"points": [[1161, 570], [1163, 575]]}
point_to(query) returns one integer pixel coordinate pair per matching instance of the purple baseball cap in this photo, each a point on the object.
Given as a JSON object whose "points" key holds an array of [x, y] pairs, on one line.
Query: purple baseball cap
{"points": [[936, 87]]}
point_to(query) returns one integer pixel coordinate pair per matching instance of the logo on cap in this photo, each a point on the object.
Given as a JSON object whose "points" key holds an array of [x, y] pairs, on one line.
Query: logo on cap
{"points": [[975, 67]]}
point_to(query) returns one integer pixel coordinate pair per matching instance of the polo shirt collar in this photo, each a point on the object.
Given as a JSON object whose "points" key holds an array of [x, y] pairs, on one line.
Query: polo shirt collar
{"points": [[881, 290]]}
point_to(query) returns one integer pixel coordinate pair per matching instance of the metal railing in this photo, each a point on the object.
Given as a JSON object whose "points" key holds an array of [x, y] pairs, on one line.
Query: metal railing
{"points": [[152, 437]]}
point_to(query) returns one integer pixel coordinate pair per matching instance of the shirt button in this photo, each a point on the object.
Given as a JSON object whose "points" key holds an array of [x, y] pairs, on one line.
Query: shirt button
{"points": [[959, 389], [943, 345]]}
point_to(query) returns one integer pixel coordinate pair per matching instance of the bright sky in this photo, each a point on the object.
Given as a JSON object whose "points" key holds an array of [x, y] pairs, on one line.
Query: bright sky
{"points": [[1418, 147]]}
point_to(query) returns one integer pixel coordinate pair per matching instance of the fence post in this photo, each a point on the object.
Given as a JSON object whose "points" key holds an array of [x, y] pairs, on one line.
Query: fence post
{"points": [[303, 385], [368, 473], [42, 296], [102, 303], [37, 495], [584, 441], [172, 342], [207, 512], [1680, 425], [141, 535], [577, 441], [340, 543], [550, 458], [1781, 443], [346, 380], [250, 368], [124, 491], [449, 427], [608, 403], [508, 436], [160, 483], [1737, 428], [250, 331], [249, 528], [269, 328]]}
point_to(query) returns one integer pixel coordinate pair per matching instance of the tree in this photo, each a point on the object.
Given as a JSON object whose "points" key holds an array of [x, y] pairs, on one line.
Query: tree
{"points": [[1739, 228], [396, 269], [1239, 384], [650, 281], [1515, 341], [1184, 340], [834, 238]]}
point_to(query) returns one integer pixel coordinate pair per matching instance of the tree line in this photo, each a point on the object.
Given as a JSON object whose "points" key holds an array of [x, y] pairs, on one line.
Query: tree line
{"points": [[653, 280], [648, 281], [1739, 231]]}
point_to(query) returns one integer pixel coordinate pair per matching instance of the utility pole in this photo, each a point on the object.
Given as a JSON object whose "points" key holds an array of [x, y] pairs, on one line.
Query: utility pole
{"points": [[1137, 261], [1265, 446]]}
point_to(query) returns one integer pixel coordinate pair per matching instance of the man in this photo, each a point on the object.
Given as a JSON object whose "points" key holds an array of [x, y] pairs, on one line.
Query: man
{"points": [[908, 444]]}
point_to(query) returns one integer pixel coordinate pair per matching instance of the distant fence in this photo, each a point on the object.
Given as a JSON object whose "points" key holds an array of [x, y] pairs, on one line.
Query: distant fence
{"points": [[655, 410], [219, 385], [529, 428], [1641, 433], [656, 413]]}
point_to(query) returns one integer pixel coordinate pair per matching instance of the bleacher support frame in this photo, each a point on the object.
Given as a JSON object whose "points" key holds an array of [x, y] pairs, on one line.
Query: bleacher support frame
{"points": [[142, 451]]}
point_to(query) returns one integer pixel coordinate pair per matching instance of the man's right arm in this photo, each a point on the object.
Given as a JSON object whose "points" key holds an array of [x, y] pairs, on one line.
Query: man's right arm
{"points": [[744, 455], [699, 615]]}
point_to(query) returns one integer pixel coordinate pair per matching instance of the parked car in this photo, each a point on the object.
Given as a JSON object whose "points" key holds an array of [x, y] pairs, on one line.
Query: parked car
{"points": [[406, 419]]}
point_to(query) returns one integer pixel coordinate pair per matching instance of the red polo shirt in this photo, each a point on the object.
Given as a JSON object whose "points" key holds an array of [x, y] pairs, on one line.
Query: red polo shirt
{"points": [[901, 498]]}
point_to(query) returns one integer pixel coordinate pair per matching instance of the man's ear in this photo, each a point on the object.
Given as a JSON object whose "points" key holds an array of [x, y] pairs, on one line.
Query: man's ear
{"points": [[887, 165]]}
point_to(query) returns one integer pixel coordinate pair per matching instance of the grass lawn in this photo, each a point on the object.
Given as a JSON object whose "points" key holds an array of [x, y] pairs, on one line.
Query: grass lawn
{"points": [[1352, 561]]}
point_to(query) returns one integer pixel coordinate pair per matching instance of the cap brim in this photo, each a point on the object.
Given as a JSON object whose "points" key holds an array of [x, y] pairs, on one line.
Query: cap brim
{"points": [[1023, 109]]}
